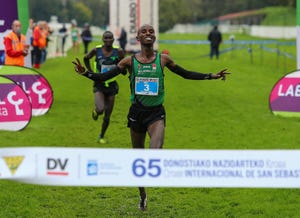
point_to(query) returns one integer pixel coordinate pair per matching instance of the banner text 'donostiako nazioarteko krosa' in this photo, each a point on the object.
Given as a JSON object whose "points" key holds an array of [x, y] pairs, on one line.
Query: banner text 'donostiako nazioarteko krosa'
{"points": [[151, 168]]}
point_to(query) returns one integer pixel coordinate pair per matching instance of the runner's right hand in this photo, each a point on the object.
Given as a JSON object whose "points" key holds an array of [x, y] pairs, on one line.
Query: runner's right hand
{"points": [[78, 67]]}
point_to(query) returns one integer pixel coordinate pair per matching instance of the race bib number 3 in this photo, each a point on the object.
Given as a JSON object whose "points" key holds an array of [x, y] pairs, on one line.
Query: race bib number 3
{"points": [[146, 86]]}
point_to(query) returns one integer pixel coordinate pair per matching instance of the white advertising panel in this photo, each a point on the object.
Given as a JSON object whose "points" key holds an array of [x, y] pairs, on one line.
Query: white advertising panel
{"points": [[151, 168]]}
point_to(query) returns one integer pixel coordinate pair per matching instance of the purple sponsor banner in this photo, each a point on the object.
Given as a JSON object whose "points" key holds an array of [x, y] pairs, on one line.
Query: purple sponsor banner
{"points": [[5, 89], [8, 13], [285, 95], [15, 106], [35, 86], [38, 91]]}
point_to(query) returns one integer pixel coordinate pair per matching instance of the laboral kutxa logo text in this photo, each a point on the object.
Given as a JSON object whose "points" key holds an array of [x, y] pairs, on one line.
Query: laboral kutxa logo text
{"points": [[57, 166], [13, 163]]}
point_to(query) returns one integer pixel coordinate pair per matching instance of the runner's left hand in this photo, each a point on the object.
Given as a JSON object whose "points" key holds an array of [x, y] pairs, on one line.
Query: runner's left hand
{"points": [[222, 74]]}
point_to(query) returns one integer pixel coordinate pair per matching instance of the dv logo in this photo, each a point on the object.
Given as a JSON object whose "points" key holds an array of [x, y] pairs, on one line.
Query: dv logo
{"points": [[57, 167]]}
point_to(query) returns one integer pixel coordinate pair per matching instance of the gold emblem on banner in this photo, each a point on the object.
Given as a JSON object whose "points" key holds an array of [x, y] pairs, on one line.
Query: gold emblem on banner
{"points": [[13, 163]]}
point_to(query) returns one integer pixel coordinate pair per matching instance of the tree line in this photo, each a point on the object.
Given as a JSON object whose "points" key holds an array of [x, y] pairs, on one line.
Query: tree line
{"points": [[96, 12]]}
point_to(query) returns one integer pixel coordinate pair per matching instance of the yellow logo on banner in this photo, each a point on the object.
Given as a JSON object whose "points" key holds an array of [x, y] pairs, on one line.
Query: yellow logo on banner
{"points": [[13, 163]]}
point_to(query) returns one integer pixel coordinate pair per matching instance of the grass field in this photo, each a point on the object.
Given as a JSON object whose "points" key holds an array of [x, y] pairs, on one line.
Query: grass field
{"points": [[200, 115]]}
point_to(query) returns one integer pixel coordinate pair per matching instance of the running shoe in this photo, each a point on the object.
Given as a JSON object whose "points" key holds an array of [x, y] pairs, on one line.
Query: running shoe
{"points": [[95, 115], [143, 204], [102, 141]]}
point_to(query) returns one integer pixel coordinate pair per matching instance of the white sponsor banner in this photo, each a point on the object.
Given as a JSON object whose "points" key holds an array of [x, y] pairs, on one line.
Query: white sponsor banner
{"points": [[131, 15], [151, 168]]}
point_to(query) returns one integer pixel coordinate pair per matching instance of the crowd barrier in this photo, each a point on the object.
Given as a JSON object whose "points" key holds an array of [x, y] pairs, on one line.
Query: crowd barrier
{"points": [[241, 44]]}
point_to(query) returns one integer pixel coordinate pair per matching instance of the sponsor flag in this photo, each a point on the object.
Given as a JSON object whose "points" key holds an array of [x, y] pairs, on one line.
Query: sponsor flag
{"points": [[130, 15], [34, 84], [285, 96], [11, 10], [15, 107]]}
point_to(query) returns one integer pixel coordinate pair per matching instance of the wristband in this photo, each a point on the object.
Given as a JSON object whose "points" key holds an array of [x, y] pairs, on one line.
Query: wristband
{"points": [[209, 76]]}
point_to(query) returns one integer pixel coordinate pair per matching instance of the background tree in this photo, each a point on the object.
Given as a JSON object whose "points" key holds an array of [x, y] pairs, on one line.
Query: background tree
{"points": [[81, 13], [100, 11], [43, 10], [195, 11], [92, 11], [171, 12]]}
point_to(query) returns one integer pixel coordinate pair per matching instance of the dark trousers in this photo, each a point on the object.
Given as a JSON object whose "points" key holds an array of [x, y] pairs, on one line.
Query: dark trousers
{"points": [[214, 50], [86, 45], [36, 55], [123, 45]]}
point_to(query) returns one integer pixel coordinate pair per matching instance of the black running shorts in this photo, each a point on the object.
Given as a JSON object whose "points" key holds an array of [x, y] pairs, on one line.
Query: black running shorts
{"points": [[140, 117], [110, 90]]}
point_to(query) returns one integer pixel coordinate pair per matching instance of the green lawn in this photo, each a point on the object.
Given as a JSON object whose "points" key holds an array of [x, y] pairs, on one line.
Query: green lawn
{"points": [[200, 115]]}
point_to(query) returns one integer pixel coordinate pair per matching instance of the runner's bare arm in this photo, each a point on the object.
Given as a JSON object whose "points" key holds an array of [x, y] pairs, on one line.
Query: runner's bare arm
{"points": [[87, 58], [121, 55]]}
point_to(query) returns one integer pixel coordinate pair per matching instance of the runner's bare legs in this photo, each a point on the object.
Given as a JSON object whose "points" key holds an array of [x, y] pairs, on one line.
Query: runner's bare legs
{"points": [[156, 132], [99, 102], [106, 105], [108, 108]]}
